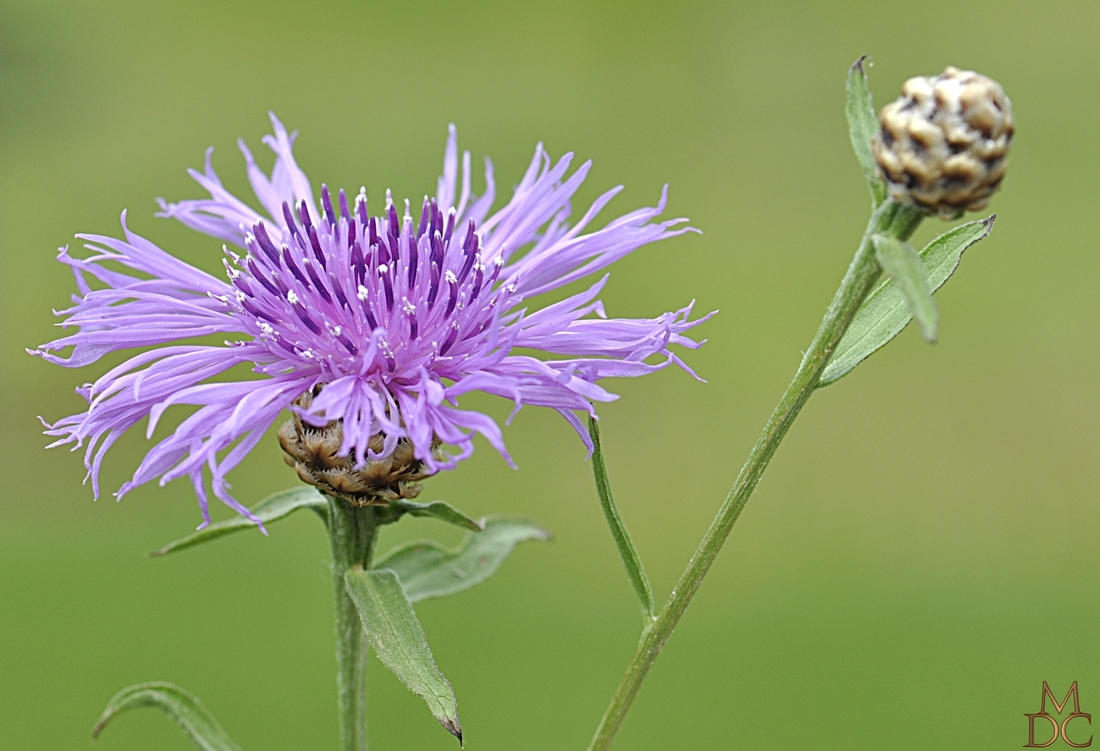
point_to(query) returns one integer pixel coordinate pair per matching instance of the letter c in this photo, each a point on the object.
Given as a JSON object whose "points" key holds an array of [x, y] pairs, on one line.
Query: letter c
{"points": [[1065, 736]]}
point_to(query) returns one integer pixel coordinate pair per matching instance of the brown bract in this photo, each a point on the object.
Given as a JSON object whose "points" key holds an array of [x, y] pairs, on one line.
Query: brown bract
{"points": [[312, 451], [943, 145]]}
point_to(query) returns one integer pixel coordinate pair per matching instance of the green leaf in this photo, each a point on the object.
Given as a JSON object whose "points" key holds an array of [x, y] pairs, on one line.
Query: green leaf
{"points": [[181, 706], [440, 510], [631, 561], [272, 508], [862, 126], [393, 630], [884, 313], [427, 569], [902, 263]]}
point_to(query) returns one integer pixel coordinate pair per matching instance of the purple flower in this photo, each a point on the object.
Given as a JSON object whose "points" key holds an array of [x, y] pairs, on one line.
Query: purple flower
{"points": [[396, 315]]}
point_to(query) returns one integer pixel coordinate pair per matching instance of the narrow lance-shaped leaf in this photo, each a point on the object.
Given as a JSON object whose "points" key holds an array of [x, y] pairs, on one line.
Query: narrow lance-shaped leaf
{"points": [[393, 630], [902, 263], [427, 569], [272, 508], [862, 125], [440, 510], [181, 706], [627, 552], [884, 313]]}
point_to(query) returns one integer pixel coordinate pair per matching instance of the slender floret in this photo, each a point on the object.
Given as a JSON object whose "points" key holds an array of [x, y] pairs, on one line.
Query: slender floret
{"points": [[377, 323]]}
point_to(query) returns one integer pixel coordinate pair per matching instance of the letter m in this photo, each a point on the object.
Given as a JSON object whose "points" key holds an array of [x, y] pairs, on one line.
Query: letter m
{"points": [[1059, 707]]}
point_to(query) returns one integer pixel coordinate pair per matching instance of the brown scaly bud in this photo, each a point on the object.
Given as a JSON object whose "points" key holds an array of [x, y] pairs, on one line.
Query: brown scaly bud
{"points": [[312, 451], [943, 145]]}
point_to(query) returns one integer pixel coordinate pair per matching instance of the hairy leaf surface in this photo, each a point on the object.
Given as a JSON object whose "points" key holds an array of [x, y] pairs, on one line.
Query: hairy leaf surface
{"points": [[393, 630], [427, 569], [185, 709], [862, 125], [885, 313], [274, 507]]}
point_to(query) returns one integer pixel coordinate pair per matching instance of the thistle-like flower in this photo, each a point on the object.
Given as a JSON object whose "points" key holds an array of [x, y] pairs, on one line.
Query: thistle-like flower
{"points": [[368, 328], [943, 146]]}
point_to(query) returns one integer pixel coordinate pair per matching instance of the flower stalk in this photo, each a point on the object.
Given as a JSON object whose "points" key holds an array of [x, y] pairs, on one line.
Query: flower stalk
{"points": [[891, 219], [353, 532]]}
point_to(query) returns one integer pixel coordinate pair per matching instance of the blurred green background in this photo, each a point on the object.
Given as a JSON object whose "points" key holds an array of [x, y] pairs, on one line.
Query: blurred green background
{"points": [[923, 551]]}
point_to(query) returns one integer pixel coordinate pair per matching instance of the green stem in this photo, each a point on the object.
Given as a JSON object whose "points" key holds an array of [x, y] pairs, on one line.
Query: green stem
{"points": [[890, 219], [631, 561], [352, 531]]}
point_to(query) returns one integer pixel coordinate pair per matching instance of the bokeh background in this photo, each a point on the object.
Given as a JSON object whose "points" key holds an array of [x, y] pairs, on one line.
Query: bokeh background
{"points": [[923, 551]]}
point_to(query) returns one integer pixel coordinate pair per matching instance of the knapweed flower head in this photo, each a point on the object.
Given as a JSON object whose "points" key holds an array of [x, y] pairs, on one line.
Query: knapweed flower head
{"points": [[369, 328], [943, 144]]}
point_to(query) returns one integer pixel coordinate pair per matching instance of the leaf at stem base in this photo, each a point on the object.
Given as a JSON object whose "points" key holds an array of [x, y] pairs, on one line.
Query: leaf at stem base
{"points": [[440, 510], [199, 725], [902, 263], [427, 569], [862, 126], [274, 507], [884, 313], [393, 630]]}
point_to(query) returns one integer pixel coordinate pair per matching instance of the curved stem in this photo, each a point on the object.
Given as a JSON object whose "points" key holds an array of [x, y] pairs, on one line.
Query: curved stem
{"points": [[891, 219], [631, 562], [352, 531]]}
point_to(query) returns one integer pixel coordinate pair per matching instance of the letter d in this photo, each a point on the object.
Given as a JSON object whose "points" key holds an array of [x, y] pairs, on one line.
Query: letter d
{"points": [[1031, 730]]}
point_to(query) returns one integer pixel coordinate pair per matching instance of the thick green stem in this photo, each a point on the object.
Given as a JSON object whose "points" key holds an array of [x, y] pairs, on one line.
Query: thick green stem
{"points": [[891, 219], [353, 532]]}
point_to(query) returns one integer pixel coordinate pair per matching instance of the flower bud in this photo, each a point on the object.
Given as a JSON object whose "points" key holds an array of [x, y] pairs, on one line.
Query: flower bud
{"points": [[943, 145], [313, 452]]}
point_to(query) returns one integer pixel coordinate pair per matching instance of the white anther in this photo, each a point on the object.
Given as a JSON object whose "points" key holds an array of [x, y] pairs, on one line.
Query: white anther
{"points": [[511, 288], [267, 328], [292, 297], [336, 331], [249, 238], [363, 293], [499, 260], [240, 296], [450, 276], [382, 269], [408, 306]]}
